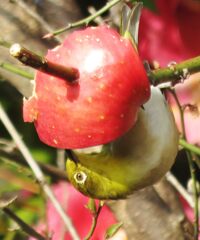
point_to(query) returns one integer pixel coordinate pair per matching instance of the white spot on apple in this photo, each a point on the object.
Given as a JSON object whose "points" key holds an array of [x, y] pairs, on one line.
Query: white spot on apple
{"points": [[79, 40], [101, 86], [77, 130], [90, 63], [89, 99], [55, 141], [102, 117]]}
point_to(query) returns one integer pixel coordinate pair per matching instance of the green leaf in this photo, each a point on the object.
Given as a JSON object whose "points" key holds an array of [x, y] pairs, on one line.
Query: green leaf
{"points": [[130, 22], [113, 229]]}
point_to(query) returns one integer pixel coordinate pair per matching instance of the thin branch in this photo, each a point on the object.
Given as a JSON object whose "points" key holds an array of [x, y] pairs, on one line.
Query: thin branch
{"points": [[196, 159], [60, 158], [94, 220], [24, 226], [48, 169], [12, 68], [38, 173], [172, 91], [33, 60], [38, 18], [191, 167], [98, 20], [195, 193], [180, 189], [188, 146], [4, 43], [84, 21], [175, 72]]}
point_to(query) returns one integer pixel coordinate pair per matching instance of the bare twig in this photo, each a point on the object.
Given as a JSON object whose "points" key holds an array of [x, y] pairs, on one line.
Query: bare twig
{"points": [[60, 159], [24, 226], [12, 68], [86, 20], [180, 189], [38, 173], [195, 194], [48, 169], [33, 60], [38, 18], [98, 20], [191, 167]]}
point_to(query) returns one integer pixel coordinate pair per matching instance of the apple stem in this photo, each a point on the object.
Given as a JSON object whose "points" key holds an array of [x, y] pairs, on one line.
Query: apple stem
{"points": [[33, 60]]}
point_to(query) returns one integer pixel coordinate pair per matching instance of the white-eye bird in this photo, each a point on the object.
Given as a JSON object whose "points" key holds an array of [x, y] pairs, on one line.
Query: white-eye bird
{"points": [[137, 159]]}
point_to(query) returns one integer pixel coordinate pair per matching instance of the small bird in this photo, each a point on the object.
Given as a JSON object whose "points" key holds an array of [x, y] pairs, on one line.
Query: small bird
{"points": [[135, 160]]}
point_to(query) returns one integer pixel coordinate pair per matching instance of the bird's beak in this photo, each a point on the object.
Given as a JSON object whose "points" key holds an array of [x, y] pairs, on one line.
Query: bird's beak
{"points": [[72, 156]]}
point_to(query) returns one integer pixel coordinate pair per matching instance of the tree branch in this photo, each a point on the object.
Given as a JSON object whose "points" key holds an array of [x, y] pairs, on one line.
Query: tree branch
{"points": [[36, 170], [24, 226], [191, 167], [12, 68], [48, 169], [84, 21], [189, 146], [33, 60], [175, 72]]}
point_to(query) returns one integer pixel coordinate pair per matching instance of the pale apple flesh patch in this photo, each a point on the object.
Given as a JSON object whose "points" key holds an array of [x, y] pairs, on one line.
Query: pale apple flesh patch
{"points": [[30, 111]]}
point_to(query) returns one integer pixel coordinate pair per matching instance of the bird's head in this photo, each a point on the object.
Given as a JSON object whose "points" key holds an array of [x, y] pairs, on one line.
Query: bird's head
{"points": [[93, 183]]}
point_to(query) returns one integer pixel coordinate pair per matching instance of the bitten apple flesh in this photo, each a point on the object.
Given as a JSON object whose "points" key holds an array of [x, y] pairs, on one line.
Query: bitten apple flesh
{"points": [[103, 103]]}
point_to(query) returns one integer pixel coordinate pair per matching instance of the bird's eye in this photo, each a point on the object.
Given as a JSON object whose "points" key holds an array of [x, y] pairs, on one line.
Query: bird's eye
{"points": [[80, 177]]}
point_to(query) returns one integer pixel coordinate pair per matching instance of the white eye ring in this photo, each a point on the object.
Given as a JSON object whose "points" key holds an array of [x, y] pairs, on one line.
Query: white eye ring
{"points": [[80, 177]]}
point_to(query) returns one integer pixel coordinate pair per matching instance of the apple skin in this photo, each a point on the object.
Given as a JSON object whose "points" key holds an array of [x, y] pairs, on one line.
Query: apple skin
{"points": [[103, 104]]}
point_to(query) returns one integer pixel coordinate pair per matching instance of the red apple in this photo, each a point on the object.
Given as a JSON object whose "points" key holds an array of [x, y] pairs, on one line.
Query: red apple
{"points": [[104, 102]]}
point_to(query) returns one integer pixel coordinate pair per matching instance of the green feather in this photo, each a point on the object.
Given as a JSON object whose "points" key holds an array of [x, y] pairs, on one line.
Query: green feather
{"points": [[137, 159]]}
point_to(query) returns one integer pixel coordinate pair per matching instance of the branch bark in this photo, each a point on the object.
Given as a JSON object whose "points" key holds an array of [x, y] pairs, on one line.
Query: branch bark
{"points": [[153, 213]]}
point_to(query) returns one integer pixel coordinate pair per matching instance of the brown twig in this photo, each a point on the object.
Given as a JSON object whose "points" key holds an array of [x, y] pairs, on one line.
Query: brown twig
{"points": [[48, 169], [33, 60], [37, 171], [24, 226]]}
